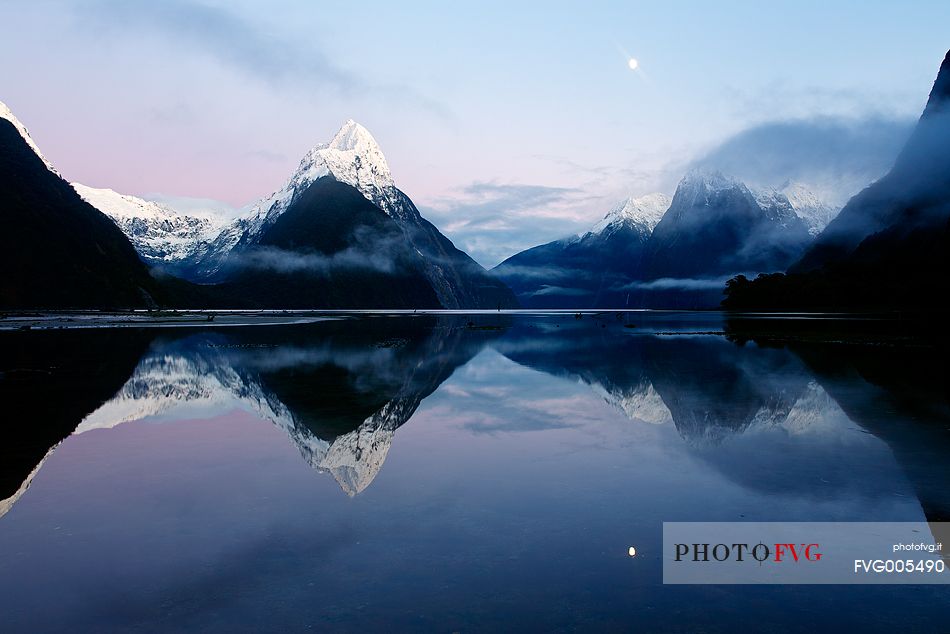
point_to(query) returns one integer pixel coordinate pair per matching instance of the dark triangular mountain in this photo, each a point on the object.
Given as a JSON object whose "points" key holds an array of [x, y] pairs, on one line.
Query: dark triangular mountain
{"points": [[331, 248], [56, 250]]}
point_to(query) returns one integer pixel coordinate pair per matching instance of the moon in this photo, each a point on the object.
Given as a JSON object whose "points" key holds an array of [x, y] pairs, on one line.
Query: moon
{"points": [[633, 63]]}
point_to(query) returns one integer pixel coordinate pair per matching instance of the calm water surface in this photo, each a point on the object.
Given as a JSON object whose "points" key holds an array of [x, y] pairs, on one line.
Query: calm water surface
{"points": [[452, 473]]}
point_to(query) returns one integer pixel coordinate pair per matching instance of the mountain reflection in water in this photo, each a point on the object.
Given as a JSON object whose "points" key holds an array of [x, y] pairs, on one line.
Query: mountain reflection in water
{"points": [[528, 418], [340, 390]]}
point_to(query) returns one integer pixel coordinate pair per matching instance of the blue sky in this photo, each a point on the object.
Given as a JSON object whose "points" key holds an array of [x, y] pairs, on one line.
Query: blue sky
{"points": [[508, 123]]}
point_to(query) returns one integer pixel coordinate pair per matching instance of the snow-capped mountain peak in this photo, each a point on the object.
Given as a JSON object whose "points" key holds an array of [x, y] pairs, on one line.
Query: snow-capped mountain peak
{"points": [[781, 203], [701, 187], [116, 205], [161, 233], [354, 137], [6, 113], [802, 201], [711, 181], [645, 212], [800, 195], [158, 232], [352, 157]]}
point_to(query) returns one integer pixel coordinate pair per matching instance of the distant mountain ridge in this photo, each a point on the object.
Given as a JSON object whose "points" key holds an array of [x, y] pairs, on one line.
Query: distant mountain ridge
{"points": [[642, 214], [160, 234], [587, 269], [659, 252]]}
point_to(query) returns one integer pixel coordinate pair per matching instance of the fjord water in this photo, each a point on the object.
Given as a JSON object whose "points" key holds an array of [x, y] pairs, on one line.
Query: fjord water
{"points": [[452, 473]]}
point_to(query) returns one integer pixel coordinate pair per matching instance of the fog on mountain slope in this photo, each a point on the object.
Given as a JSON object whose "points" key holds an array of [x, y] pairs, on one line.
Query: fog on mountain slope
{"points": [[586, 269], [331, 248], [835, 157], [890, 245], [914, 191]]}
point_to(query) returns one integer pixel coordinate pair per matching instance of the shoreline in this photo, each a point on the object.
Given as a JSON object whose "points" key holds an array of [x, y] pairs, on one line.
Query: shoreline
{"points": [[217, 318]]}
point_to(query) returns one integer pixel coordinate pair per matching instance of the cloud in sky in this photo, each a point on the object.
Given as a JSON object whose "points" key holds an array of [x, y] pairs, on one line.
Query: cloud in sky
{"points": [[492, 221], [637, 173], [835, 156], [778, 99], [220, 33], [838, 156], [230, 39]]}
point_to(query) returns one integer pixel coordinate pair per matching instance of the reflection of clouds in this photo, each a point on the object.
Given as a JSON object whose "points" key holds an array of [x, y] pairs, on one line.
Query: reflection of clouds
{"points": [[527, 414], [493, 391], [455, 390], [545, 342], [559, 290], [496, 395], [492, 221], [484, 422]]}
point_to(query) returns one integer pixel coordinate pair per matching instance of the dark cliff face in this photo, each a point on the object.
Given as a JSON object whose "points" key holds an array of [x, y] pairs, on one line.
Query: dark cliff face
{"points": [[458, 281], [913, 193], [56, 250], [939, 100], [889, 248]]}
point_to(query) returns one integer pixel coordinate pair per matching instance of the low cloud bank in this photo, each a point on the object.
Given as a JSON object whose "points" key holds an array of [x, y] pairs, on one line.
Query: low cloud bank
{"points": [[837, 156], [682, 284]]}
